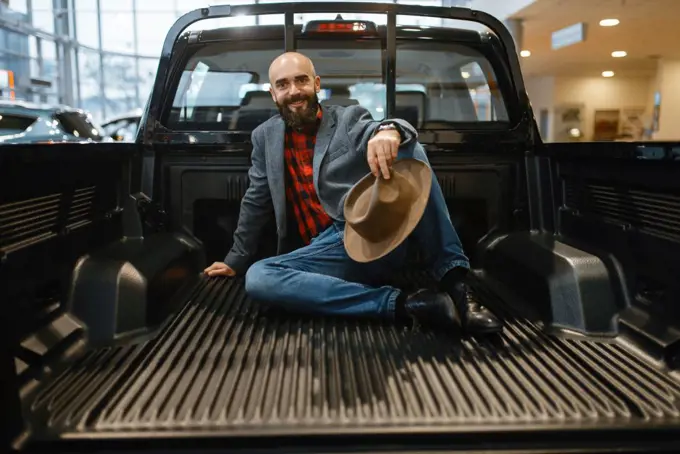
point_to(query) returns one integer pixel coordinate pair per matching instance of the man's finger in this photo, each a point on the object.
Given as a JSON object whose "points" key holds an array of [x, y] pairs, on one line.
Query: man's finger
{"points": [[373, 161], [388, 155], [394, 149], [384, 166]]}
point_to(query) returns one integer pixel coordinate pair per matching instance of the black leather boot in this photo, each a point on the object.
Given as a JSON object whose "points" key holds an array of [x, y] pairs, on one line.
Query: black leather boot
{"points": [[474, 318], [431, 309]]}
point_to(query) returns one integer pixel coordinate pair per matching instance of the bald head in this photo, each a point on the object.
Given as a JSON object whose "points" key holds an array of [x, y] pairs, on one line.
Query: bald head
{"points": [[290, 62]]}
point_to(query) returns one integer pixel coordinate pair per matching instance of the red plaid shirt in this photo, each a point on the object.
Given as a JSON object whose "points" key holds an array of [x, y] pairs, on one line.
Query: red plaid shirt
{"points": [[311, 218]]}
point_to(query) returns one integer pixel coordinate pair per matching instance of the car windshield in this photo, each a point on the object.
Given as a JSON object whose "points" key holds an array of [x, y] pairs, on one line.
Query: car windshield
{"points": [[224, 85]]}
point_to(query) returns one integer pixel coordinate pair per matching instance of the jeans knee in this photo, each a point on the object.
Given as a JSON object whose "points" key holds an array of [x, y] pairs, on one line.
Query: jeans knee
{"points": [[413, 149], [258, 281]]}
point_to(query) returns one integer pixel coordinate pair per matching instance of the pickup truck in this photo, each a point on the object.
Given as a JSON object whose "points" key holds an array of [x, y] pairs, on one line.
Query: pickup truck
{"points": [[114, 340]]}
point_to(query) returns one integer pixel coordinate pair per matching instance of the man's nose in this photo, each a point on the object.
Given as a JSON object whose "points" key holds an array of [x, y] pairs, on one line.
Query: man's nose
{"points": [[294, 90]]}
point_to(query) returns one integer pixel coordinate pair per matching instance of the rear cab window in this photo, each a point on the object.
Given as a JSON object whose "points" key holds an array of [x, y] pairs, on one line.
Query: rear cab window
{"points": [[441, 82]]}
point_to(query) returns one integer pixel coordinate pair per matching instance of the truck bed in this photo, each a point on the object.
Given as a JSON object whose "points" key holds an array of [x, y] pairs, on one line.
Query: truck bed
{"points": [[225, 367]]}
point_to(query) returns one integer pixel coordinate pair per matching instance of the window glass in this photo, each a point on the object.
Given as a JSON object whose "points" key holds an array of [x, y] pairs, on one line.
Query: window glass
{"points": [[87, 27], [227, 87], [43, 16], [439, 83], [90, 94], [120, 84], [147, 77], [350, 71], [152, 28], [456, 81], [50, 70], [125, 130], [14, 124], [20, 6], [80, 125], [118, 32]]}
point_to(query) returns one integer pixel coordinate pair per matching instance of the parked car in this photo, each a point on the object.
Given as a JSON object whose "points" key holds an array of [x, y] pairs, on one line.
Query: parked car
{"points": [[26, 122], [123, 128]]}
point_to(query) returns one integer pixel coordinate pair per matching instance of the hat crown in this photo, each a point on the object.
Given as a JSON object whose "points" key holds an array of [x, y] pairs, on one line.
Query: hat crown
{"points": [[380, 211]]}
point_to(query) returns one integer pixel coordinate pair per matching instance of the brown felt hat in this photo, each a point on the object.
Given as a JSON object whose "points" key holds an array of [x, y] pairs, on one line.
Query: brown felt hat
{"points": [[380, 214]]}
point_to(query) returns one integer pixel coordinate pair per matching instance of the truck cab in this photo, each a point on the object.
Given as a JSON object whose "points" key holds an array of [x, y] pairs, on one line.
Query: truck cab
{"points": [[113, 338]]}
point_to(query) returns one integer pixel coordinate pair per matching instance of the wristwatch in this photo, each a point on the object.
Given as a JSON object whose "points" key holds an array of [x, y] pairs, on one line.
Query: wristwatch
{"points": [[387, 127]]}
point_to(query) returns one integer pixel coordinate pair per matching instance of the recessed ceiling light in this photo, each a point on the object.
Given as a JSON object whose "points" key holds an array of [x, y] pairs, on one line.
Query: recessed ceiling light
{"points": [[609, 22], [525, 53], [607, 73], [619, 53], [465, 74]]}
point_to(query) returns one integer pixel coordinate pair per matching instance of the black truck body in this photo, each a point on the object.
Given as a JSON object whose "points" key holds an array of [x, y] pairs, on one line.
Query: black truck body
{"points": [[113, 340]]}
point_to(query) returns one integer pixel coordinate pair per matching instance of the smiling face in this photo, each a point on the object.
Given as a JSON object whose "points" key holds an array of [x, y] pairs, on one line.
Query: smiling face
{"points": [[294, 88]]}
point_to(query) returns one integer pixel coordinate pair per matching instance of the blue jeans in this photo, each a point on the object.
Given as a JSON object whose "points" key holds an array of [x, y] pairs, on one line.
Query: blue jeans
{"points": [[321, 278]]}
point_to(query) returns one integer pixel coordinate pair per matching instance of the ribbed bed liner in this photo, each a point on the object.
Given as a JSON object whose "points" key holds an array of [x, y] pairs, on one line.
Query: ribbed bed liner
{"points": [[221, 364]]}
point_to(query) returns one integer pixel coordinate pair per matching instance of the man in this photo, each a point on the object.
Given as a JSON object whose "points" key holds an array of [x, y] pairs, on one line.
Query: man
{"points": [[304, 162]]}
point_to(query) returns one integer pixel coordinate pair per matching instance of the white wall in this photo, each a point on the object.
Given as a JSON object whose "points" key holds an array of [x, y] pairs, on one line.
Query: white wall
{"points": [[668, 83], [541, 91], [597, 93], [593, 93]]}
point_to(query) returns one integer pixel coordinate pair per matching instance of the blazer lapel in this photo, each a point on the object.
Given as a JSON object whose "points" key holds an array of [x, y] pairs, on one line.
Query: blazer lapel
{"points": [[275, 139], [323, 140]]}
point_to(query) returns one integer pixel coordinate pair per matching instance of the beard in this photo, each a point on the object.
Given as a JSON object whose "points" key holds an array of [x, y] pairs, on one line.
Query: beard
{"points": [[301, 118]]}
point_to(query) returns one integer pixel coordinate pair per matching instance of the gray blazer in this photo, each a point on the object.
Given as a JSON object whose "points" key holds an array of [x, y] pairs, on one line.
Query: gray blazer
{"points": [[339, 162]]}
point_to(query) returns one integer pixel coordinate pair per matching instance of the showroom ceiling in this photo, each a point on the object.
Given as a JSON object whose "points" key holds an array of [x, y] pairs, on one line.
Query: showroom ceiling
{"points": [[647, 30]]}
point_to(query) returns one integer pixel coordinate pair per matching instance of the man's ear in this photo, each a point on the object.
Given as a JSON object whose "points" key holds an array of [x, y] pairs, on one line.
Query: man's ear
{"points": [[317, 84], [271, 92]]}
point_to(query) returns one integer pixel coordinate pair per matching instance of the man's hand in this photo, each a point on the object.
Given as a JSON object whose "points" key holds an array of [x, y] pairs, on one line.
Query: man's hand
{"points": [[382, 151], [219, 269]]}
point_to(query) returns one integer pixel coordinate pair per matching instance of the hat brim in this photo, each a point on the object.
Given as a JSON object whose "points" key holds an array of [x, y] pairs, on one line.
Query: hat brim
{"points": [[360, 249]]}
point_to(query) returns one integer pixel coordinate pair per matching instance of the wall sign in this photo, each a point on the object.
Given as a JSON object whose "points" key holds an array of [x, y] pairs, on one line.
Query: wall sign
{"points": [[569, 35]]}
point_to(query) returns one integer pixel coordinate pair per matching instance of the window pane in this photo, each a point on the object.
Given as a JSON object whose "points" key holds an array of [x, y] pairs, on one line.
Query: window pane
{"points": [[350, 71], [120, 85], [49, 55], [451, 75], [224, 87], [151, 31], [118, 34], [147, 77], [20, 6], [33, 46], [87, 28], [90, 96], [156, 6], [14, 124], [43, 16], [215, 88], [14, 51], [119, 6]]}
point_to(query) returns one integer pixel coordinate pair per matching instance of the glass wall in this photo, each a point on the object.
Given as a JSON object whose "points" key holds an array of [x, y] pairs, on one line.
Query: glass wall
{"points": [[98, 55]]}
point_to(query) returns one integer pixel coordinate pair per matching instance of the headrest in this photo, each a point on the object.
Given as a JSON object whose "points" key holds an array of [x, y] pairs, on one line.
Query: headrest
{"points": [[258, 100], [339, 101]]}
